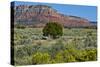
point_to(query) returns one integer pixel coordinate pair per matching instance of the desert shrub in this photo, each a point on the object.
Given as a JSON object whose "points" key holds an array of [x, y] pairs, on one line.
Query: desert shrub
{"points": [[90, 41], [55, 48], [23, 60], [52, 61], [36, 37], [70, 54], [91, 54], [40, 58], [59, 57], [53, 29], [86, 55], [19, 52], [20, 26], [22, 51], [23, 42], [28, 49]]}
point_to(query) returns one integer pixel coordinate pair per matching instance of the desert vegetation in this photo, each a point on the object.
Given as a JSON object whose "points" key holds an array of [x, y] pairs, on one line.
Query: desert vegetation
{"points": [[75, 45]]}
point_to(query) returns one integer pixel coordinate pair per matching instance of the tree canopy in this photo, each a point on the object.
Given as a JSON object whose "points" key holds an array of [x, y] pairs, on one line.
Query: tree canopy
{"points": [[53, 30]]}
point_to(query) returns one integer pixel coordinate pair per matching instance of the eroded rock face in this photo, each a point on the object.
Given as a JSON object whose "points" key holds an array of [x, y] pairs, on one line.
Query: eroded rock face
{"points": [[39, 15]]}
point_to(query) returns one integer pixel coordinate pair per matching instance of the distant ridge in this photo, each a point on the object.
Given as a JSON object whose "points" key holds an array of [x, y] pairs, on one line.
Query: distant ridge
{"points": [[39, 15]]}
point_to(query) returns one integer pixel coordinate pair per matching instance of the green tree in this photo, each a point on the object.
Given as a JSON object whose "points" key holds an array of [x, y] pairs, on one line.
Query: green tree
{"points": [[53, 30]]}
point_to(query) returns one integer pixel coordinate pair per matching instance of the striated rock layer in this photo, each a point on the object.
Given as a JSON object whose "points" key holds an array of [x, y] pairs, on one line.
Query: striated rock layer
{"points": [[39, 15]]}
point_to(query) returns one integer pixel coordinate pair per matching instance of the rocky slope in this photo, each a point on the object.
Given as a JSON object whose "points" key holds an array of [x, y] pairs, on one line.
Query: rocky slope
{"points": [[39, 15]]}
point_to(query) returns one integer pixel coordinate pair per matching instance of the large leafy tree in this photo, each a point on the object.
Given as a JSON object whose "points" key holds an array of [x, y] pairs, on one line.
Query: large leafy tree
{"points": [[53, 30]]}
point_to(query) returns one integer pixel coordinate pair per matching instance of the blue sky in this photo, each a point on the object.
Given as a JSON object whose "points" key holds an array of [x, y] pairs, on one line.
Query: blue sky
{"points": [[88, 12]]}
